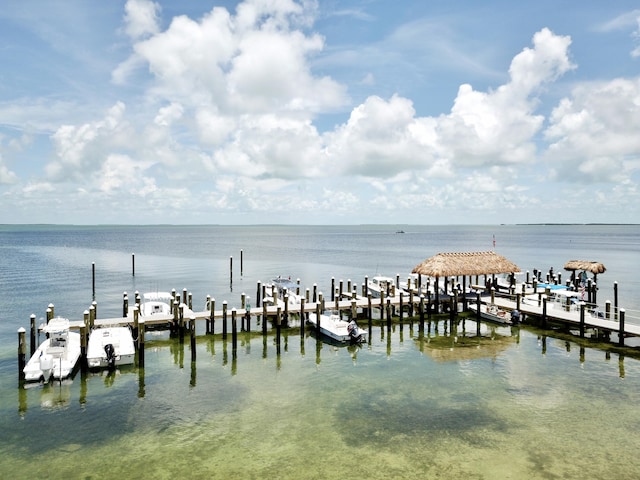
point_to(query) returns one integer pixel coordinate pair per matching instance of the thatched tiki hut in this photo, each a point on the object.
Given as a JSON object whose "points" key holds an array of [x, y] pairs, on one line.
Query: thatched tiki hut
{"points": [[586, 266], [464, 263]]}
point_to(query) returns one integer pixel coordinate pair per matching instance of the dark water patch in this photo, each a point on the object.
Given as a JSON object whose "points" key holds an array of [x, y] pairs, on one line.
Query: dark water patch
{"points": [[376, 419]]}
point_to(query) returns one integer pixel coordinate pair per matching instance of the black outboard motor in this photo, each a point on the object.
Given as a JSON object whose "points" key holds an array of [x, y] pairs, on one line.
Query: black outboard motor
{"points": [[354, 332], [111, 356]]}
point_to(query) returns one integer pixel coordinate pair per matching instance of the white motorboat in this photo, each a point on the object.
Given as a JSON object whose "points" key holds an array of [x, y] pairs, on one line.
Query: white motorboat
{"points": [[496, 314], [381, 284], [337, 329], [156, 303], [56, 356], [109, 347], [278, 289]]}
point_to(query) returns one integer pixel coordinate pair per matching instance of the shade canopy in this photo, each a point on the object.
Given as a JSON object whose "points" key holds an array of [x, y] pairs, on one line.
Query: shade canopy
{"points": [[593, 267], [465, 263]]}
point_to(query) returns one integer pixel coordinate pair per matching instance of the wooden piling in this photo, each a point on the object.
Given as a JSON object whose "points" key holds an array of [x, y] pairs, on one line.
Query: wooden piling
{"points": [[230, 270], [83, 349], [234, 330], [317, 320], [333, 288], [264, 319], [93, 279], [621, 328], [615, 300], [582, 305], [258, 294], [212, 317], [241, 263], [278, 329], [133, 264], [125, 305], [141, 331], [33, 345], [50, 313], [22, 353], [224, 320], [302, 318], [192, 336]]}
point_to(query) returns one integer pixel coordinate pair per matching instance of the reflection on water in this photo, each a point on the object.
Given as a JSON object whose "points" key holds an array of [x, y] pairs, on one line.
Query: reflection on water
{"points": [[448, 400]]}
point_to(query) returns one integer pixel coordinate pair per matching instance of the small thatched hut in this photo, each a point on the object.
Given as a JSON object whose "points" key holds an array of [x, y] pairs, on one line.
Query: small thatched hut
{"points": [[587, 266]]}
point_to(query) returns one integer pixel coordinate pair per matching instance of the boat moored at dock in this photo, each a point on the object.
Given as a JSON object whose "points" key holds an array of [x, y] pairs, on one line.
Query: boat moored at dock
{"points": [[57, 356], [110, 347], [338, 329]]}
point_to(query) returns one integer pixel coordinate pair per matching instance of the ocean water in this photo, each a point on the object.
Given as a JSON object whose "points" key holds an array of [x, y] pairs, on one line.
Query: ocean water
{"points": [[514, 403]]}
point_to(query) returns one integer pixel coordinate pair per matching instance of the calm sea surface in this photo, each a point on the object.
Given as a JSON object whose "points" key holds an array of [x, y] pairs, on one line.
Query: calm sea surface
{"points": [[516, 403]]}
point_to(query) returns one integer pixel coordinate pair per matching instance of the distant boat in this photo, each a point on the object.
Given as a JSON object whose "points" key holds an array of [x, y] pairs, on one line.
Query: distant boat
{"points": [[337, 329], [109, 347], [57, 356], [399, 231]]}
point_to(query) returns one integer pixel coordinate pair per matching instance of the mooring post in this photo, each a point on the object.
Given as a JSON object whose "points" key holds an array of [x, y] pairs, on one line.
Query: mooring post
{"points": [[264, 319], [247, 308], [207, 324], [421, 313], [33, 334], [125, 305], [192, 335], [93, 279], [241, 263], [50, 313], [278, 328], [615, 300], [258, 292], [230, 270], [333, 288], [141, 345], [22, 353], [83, 349], [224, 320], [234, 331], [133, 264], [388, 314], [302, 319], [92, 316], [607, 310], [190, 300], [315, 292], [182, 324], [212, 313], [401, 306], [176, 315], [544, 312], [621, 328], [582, 305]]}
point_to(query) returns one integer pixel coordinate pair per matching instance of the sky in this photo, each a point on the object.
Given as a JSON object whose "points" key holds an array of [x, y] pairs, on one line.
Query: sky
{"points": [[319, 112]]}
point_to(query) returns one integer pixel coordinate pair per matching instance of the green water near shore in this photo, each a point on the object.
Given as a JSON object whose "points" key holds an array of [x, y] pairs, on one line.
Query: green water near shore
{"points": [[403, 406]]}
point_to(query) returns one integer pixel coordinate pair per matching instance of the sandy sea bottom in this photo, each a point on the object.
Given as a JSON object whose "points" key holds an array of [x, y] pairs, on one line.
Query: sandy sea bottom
{"points": [[399, 407]]}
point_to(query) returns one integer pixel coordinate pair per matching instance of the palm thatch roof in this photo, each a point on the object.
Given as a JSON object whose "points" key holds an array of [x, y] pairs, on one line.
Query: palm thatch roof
{"points": [[593, 267], [465, 263]]}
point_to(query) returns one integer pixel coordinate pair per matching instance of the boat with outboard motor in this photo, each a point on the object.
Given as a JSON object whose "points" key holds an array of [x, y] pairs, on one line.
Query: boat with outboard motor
{"points": [[57, 356], [493, 313], [338, 329], [109, 347]]}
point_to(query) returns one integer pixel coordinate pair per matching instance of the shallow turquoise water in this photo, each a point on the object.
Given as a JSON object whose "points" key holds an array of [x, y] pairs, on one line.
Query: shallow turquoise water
{"points": [[511, 405]]}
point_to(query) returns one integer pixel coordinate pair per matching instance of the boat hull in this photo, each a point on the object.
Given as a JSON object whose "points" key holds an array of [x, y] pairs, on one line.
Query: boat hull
{"points": [[121, 351], [337, 329], [49, 361]]}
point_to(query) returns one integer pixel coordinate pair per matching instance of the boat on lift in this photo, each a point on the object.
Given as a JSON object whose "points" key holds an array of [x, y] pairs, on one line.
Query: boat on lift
{"points": [[57, 356], [338, 329], [110, 347]]}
